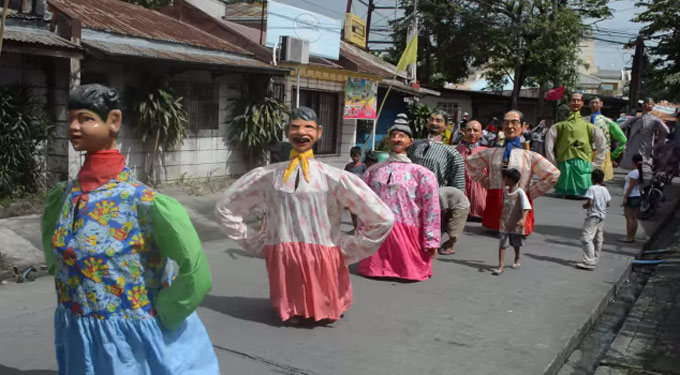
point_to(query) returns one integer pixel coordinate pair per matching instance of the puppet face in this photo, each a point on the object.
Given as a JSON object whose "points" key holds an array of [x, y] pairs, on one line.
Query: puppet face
{"points": [[303, 134], [576, 102], [436, 124], [400, 141], [596, 105], [512, 125], [473, 132], [89, 133]]}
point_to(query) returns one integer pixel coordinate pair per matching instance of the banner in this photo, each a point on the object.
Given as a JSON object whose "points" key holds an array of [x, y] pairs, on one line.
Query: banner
{"points": [[360, 99]]}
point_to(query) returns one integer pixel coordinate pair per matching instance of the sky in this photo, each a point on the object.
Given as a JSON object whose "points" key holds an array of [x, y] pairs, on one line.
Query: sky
{"points": [[607, 55]]}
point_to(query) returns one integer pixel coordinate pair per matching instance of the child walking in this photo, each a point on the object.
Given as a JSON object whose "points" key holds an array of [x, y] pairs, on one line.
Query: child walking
{"points": [[593, 227], [516, 208], [632, 198], [357, 168]]}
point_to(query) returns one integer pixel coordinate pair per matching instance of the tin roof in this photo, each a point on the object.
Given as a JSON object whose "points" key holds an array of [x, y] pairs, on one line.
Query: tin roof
{"points": [[119, 17], [125, 46], [37, 36], [245, 10]]}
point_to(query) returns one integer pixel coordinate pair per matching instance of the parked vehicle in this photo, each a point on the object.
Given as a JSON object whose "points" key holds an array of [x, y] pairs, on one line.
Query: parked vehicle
{"points": [[652, 195]]}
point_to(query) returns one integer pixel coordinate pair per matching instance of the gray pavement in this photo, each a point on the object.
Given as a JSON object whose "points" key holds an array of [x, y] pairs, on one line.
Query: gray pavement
{"points": [[462, 321]]}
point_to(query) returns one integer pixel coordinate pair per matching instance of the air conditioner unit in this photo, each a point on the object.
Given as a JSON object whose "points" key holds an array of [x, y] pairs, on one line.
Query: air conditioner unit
{"points": [[294, 50]]}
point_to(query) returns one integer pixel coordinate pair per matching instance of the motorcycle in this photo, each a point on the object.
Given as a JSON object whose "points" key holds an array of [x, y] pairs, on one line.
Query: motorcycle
{"points": [[652, 195]]}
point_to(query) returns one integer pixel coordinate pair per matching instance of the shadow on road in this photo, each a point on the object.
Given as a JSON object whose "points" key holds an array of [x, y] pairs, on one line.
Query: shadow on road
{"points": [[4, 370], [235, 253], [545, 258], [476, 264], [573, 233], [257, 310]]}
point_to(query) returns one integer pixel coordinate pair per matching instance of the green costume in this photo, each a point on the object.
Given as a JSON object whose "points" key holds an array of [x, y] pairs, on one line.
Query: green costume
{"points": [[611, 130], [568, 145]]}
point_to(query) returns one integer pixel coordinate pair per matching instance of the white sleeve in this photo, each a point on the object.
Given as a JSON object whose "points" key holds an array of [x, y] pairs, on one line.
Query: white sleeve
{"points": [[589, 193], [607, 196], [243, 197], [526, 205]]}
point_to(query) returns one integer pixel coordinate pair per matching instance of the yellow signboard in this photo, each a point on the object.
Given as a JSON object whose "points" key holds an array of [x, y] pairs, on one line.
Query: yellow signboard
{"points": [[355, 30]]}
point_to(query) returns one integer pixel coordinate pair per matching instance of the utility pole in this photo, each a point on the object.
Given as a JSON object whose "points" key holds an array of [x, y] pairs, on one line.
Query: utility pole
{"points": [[349, 6], [412, 33], [636, 74], [371, 8]]}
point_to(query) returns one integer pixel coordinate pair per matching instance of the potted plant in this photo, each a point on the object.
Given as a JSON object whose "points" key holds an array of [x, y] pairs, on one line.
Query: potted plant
{"points": [[163, 119]]}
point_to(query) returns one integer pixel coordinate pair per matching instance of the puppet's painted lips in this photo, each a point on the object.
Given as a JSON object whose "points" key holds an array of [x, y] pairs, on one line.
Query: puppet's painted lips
{"points": [[301, 140]]}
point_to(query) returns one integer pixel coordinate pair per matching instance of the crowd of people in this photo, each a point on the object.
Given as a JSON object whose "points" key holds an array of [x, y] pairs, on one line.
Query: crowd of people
{"points": [[112, 243]]}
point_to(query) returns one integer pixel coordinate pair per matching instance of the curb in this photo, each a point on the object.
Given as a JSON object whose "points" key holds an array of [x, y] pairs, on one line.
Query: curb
{"points": [[563, 355]]}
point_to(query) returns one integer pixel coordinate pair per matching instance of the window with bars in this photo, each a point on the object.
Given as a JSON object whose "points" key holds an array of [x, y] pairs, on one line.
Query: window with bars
{"points": [[327, 107], [201, 101]]}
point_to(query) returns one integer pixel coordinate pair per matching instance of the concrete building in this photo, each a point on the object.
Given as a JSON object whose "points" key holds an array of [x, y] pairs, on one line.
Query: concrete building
{"points": [[34, 56], [137, 50], [322, 81]]}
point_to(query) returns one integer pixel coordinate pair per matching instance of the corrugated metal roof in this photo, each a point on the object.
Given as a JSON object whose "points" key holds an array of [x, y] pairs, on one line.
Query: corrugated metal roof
{"points": [[609, 74], [123, 18], [368, 63], [116, 45], [37, 36], [245, 10]]}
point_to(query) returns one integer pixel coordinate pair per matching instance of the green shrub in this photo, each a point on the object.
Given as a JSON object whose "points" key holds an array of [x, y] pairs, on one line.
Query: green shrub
{"points": [[24, 130]]}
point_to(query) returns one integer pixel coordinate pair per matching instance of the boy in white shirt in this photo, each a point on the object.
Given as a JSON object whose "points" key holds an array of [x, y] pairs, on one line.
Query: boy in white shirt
{"points": [[593, 227], [516, 208]]}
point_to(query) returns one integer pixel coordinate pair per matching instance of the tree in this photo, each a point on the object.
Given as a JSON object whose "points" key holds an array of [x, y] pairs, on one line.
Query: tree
{"points": [[526, 42], [661, 74]]}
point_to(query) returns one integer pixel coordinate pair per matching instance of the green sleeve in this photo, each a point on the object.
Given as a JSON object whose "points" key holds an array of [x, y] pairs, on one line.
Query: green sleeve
{"points": [[177, 239], [617, 134], [48, 225]]}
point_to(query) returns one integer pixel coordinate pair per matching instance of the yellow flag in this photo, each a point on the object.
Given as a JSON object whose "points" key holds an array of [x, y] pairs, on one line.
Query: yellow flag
{"points": [[410, 54]]}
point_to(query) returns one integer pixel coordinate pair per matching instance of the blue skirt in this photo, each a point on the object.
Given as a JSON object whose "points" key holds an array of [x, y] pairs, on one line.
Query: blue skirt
{"points": [[89, 346]]}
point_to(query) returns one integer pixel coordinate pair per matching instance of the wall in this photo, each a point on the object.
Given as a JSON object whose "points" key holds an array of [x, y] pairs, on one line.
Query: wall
{"points": [[347, 131], [204, 153], [49, 78], [464, 104]]}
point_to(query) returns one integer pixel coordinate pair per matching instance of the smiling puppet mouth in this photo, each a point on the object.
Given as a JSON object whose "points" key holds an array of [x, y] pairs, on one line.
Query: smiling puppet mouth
{"points": [[301, 140]]}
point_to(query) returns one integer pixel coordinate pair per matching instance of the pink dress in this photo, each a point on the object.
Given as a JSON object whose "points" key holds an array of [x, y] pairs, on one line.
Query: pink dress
{"points": [[411, 191], [473, 190], [305, 252]]}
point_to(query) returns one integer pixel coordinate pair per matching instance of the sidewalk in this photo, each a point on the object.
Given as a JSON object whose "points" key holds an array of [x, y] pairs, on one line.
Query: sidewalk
{"points": [[649, 341]]}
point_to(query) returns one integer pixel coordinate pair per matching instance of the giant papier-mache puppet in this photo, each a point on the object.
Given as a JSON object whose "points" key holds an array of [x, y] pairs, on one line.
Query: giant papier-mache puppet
{"points": [[538, 175], [110, 242], [303, 201]]}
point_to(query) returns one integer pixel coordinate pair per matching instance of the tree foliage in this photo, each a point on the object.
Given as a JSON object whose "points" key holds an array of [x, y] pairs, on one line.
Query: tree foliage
{"points": [[24, 129], [661, 76], [257, 126], [528, 42], [162, 119]]}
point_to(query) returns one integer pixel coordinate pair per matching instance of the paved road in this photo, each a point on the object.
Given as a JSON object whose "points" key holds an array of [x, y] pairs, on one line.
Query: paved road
{"points": [[462, 321]]}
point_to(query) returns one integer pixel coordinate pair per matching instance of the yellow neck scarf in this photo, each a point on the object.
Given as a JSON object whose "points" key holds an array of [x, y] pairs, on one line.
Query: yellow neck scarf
{"points": [[295, 159]]}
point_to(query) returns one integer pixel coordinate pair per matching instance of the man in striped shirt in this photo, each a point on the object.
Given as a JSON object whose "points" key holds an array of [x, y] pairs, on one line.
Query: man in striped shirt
{"points": [[443, 160]]}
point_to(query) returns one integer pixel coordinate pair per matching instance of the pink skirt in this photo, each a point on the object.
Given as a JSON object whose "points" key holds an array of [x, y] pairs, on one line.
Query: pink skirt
{"points": [[308, 280], [401, 255], [477, 196]]}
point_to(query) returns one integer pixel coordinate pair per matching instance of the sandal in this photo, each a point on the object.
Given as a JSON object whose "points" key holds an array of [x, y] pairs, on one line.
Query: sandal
{"points": [[497, 272], [448, 251], [516, 266], [625, 240]]}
